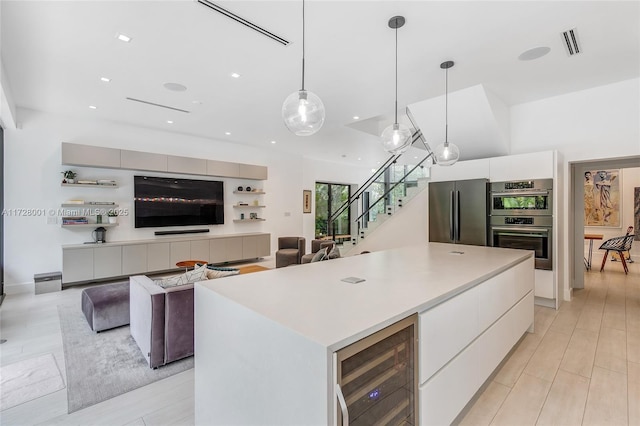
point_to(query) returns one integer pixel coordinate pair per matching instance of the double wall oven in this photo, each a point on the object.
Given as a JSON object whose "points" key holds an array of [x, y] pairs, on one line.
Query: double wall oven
{"points": [[521, 218]]}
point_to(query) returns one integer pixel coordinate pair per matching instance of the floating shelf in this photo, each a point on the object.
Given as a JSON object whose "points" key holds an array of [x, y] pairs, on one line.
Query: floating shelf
{"points": [[91, 225], [249, 192], [89, 185], [248, 207], [249, 220]]}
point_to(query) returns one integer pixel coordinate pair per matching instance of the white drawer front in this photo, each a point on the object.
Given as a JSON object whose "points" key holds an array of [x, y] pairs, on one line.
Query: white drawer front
{"points": [[446, 393], [445, 330]]}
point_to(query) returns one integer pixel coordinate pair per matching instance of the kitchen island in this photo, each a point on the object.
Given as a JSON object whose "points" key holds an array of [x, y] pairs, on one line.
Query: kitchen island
{"points": [[266, 343]]}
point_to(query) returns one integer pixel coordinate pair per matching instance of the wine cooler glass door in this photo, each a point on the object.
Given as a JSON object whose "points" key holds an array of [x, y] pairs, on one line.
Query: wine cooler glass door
{"points": [[377, 377]]}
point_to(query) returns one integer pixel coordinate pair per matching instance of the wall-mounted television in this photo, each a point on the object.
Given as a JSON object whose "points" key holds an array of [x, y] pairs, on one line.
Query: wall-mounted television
{"points": [[160, 201]]}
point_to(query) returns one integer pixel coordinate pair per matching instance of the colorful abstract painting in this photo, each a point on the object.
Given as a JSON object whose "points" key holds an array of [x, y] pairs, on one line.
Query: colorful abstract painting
{"points": [[636, 213], [602, 198]]}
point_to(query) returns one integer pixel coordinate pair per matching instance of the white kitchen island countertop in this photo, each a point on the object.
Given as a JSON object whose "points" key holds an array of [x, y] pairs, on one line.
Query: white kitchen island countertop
{"points": [[312, 300]]}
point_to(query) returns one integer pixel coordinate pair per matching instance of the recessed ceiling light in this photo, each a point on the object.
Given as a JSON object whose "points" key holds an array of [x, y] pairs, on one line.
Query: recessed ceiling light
{"points": [[355, 117], [169, 121], [196, 102], [124, 38], [273, 141], [415, 157], [93, 107], [535, 53], [359, 158], [235, 75], [175, 87], [227, 133], [373, 170], [105, 79], [378, 162]]}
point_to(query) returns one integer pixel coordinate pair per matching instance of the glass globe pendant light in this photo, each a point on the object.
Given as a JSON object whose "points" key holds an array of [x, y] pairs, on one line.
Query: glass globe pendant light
{"points": [[446, 154], [303, 111], [396, 138]]}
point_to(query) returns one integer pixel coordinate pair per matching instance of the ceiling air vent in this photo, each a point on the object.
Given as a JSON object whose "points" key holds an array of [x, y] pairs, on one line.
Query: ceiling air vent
{"points": [[158, 105], [571, 43], [243, 21]]}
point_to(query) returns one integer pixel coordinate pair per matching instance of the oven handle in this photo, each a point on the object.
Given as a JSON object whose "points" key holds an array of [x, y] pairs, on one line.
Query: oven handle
{"points": [[519, 193], [521, 232]]}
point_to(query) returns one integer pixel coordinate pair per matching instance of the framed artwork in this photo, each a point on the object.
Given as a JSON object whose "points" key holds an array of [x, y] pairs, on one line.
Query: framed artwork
{"points": [[636, 213], [306, 201], [602, 198]]}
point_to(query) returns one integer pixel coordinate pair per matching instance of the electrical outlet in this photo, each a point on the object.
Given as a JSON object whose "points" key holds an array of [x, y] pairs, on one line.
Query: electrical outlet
{"points": [[287, 214]]}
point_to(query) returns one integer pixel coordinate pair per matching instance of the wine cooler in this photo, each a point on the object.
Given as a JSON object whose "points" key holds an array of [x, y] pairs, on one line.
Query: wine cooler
{"points": [[377, 377]]}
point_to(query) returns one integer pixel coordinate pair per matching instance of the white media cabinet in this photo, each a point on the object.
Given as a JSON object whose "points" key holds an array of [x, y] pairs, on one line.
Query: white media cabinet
{"points": [[82, 263]]}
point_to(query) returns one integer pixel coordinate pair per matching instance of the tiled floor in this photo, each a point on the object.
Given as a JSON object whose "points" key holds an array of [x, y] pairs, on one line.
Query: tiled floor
{"points": [[580, 367]]}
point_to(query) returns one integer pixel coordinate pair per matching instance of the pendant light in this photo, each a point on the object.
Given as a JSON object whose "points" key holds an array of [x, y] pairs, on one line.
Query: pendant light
{"points": [[396, 138], [303, 111], [446, 153]]}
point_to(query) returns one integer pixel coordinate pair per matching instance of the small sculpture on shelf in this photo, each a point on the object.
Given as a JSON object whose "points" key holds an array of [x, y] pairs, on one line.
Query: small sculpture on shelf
{"points": [[68, 176]]}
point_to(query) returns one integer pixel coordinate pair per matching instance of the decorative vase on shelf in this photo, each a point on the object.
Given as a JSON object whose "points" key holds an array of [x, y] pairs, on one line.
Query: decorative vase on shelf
{"points": [[71, 181], [113, 219]]}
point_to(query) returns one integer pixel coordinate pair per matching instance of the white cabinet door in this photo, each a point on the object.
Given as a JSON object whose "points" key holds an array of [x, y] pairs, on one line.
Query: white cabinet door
{"points": [[442, 397], [200, 250], [134, 259], [77, 265], [159, 257], [223, 168], [137, 160], [536, 165], [263, 245], [225, 249], [88, 155], [462, 170], [180, 250], [107, 262], [545, 284], [250, 171], [445, 330], [194, 166]]}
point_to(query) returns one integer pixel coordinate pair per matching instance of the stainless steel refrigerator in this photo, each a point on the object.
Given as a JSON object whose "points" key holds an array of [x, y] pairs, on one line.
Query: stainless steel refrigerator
{"points": [[458, 212]]}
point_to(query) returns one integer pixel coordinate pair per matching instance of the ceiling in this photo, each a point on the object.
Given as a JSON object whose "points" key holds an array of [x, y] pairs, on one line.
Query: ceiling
{"points": [[55, 53]]}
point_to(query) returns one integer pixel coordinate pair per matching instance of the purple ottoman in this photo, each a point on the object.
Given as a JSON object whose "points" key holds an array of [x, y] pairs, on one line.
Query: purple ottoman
{"points": [[106, 306]]}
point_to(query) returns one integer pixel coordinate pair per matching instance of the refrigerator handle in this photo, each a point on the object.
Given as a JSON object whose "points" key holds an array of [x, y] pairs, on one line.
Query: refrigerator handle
{"points": [[343, 406], [452, 203], [457, 226]]}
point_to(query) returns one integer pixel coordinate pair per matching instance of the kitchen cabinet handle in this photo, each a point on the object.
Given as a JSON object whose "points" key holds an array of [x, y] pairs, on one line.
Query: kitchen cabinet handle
{"points": [[452, 237], [343, 406], [457, 226]]}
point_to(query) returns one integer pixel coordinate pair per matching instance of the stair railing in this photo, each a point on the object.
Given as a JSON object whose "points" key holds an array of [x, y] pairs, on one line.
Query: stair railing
{"points": [[416, 136]]}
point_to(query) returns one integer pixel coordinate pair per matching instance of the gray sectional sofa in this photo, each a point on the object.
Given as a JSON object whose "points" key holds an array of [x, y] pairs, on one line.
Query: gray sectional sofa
{"points": [[161, 320]]}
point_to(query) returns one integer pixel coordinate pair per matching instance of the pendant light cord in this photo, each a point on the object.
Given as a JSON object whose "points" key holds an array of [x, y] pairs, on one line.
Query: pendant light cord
{"points": [[446, 107], [302, 44], [396, 103]]}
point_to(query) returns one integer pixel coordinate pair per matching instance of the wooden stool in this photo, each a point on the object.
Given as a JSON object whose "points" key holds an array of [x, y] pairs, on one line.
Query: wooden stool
{"points": [[186, 264]]}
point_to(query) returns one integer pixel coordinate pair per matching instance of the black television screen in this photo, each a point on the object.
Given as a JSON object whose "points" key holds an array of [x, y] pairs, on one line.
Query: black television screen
{"points": [[160, 201]]}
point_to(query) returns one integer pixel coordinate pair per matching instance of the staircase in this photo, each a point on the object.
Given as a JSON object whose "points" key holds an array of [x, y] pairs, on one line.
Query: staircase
{"points": [[382, 196]]}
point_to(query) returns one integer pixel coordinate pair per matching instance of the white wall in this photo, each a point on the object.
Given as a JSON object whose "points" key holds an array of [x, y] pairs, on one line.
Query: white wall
{"points": [[32, 180], [598, 123]]}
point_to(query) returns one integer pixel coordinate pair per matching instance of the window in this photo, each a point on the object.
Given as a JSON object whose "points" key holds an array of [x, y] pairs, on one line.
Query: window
{"points": [[329, 198]]}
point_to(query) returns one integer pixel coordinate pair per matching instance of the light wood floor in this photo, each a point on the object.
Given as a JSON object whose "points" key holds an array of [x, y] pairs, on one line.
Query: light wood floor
{"points": [[581, 366]]}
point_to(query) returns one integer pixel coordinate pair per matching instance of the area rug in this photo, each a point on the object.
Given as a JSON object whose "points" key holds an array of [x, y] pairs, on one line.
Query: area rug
{"points": [[251, 268], [106, 364], [29, 379]]}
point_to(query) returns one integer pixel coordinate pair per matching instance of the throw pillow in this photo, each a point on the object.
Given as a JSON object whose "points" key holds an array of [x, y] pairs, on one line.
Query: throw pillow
{"points": [[217, 273], [320, 255], [198, 274], [334, 253]]}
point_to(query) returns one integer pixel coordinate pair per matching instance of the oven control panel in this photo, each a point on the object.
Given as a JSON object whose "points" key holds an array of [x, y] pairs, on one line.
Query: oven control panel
{"points": [[518, 220], [519, 185]]}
